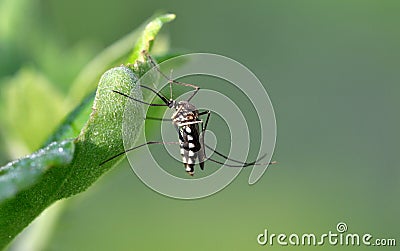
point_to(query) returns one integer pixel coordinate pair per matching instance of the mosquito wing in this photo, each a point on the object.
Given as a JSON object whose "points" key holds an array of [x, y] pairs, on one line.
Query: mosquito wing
{"points": [[201, 154]]}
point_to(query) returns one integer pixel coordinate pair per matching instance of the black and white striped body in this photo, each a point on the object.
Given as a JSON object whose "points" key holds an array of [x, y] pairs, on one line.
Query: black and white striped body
{"points": [[188, 125], [186, 120]]}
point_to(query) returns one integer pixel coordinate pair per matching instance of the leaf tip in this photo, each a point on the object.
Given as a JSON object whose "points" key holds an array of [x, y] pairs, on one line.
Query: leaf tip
{"points": [[168, 17]]}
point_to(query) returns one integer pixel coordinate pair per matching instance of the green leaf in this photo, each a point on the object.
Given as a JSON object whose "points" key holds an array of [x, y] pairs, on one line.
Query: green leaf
{"points": [[74, 122], [100, 139], [117, 53], [22, 173], [54, 175], [146, 41]]}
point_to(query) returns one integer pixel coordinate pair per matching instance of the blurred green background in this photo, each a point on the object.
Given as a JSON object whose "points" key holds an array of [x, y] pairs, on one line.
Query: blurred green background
{"points": [[331, 69]]}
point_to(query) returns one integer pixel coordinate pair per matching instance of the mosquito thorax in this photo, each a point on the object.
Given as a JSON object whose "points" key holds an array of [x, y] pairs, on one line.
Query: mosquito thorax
{"points": [[185, 107], [185, 112]]}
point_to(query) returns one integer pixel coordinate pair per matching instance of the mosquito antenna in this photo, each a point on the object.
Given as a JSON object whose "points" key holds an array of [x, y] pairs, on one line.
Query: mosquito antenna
{"points": [[136, 147], [137, 100], [159, 94]]}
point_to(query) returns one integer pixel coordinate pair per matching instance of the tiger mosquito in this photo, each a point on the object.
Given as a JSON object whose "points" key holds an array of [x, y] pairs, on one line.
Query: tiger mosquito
{"points": [[186, 119]]}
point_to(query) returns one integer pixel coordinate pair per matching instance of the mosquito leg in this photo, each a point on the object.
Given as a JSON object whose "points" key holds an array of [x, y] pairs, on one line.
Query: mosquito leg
{"points": [[204, 128], [202, 155], [240, 162], [170, 80], [243, 164], [195, 87], [136, 147], [170, 84], [154, 64]]}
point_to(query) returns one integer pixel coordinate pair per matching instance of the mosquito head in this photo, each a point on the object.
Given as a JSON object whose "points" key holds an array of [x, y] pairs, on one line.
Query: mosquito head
{"points": [[171, 103]]}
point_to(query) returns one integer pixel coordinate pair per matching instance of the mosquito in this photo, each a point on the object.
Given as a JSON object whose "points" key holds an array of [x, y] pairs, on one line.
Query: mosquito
{"points": [[188, 124]]}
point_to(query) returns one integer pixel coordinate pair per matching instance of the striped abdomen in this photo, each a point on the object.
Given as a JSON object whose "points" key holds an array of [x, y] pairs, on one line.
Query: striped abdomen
{"points": [[189, 145]]}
